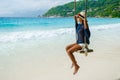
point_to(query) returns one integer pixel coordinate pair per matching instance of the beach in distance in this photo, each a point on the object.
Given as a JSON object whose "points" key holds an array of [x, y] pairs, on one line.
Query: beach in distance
{"points": [[34, 49]]}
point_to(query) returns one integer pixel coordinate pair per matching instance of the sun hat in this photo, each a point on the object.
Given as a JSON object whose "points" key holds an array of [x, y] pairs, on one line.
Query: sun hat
{"points": [[81, 14]]}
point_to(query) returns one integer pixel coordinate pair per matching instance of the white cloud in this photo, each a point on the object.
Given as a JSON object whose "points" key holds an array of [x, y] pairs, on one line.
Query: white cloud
{"points": [[9, 7]]}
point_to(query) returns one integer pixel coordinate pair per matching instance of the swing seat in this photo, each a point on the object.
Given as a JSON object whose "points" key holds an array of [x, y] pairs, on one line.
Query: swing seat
{"points": [[88, 50], [85, 51]]}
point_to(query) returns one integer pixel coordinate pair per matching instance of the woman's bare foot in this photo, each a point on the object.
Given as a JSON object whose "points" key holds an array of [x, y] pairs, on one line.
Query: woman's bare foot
{"points": [[76, 69]]}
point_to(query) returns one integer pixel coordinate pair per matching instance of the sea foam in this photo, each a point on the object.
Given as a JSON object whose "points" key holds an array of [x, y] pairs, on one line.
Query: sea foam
{"points": [[28, 35], [40, 34], [107, 26]]}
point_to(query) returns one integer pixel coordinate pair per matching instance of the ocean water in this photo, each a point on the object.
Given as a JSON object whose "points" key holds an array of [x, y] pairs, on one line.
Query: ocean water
{"points": [[21, 31], [16, 29]]}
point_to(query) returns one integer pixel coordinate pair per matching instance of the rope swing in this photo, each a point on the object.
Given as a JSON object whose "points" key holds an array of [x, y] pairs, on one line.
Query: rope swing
{"points": [[86, 8], [85, 50]]}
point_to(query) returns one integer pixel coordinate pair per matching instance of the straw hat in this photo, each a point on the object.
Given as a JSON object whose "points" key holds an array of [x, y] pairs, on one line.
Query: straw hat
{"points": [[82, 13]]}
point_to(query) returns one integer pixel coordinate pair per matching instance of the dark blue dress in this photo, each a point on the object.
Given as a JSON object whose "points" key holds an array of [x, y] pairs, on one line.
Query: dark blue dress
{"points": [[82, 33]]}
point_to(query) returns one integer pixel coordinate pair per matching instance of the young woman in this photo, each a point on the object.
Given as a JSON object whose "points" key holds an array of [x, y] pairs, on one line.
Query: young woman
{"points": [[82, 32]]}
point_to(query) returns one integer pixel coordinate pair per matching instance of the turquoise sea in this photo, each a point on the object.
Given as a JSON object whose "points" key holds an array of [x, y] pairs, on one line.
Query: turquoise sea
{"points": [[25, 32], [17, 29]]}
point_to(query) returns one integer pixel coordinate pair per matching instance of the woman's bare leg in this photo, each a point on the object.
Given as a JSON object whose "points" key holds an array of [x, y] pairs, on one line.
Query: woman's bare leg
{"points": [[69, 46], [70, 51]]}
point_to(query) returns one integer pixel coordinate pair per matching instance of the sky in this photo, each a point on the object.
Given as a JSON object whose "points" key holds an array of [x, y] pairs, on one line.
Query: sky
{"points": [[27, 8]]}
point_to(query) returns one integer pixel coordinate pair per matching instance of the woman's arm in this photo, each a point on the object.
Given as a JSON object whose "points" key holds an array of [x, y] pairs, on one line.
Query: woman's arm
{"points": [[85, 24], [75, 21]]}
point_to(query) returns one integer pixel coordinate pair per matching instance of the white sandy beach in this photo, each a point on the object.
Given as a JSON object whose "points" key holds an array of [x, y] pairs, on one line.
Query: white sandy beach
{"points": [[48, 61]]}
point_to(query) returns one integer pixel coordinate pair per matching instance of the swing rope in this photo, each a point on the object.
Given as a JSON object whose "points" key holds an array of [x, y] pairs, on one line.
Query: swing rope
{"points": [[74, 15], [86, 8], [85, 49], [74, 7], [84, 36]]}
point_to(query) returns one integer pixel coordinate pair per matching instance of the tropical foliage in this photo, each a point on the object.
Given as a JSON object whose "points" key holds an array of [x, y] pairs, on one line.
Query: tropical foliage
{"points": [[95, 8]]}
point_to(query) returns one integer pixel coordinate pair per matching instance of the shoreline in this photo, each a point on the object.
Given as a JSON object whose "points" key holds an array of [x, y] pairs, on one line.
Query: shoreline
{"points": [[73, 16], [55, 17]]}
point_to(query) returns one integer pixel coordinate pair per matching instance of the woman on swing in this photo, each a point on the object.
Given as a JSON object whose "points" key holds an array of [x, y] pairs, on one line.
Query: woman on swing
{"points": [[82, 32]]}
